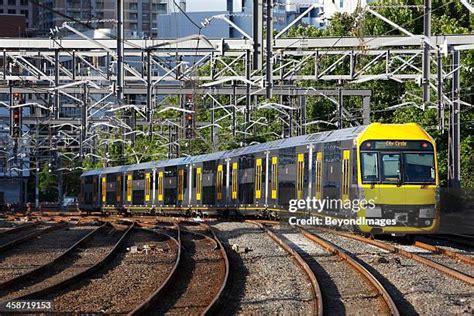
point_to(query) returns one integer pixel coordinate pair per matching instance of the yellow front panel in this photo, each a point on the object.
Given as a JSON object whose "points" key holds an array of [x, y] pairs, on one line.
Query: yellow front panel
{"points": [[147, 187], [129, 188], [274, 177], [198, 183], [104, 189], [160, 186]]}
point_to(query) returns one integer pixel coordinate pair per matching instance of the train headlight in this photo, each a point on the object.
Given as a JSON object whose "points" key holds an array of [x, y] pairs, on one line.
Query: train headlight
{"points": [[427, 212]]}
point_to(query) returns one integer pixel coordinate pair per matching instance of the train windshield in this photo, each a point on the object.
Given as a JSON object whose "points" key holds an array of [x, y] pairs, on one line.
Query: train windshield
{"points": [[398, 162]]}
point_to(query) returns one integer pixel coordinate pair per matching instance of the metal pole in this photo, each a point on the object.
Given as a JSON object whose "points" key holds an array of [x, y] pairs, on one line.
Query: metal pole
{"points": [[366, 110], [234, 110], [213, 127], [269, 49], [257, 62], [455, 125], [440, 91], [247, 90], [120, 77], [426, 53], [56, 84], [37, 166], [149, 94], [339, 108]]}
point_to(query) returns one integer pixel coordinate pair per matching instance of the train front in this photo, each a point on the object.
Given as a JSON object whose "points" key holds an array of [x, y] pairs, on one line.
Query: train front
{"points": [[398, 175]]}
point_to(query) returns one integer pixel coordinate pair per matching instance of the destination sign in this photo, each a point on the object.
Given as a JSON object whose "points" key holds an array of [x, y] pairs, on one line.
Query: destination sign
{"points": [[397, 145]]}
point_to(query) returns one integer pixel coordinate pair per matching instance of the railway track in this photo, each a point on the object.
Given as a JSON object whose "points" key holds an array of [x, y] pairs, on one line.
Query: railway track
{"points": [[388, 305], [410, 254], [27, 257], [29, 278], [145, 306], [84, 265], [317, 296], [21, 234], [201, 276], [128, 280]]}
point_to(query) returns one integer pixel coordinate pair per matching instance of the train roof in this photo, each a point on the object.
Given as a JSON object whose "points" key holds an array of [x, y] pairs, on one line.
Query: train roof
{"points": [[396, 130]]}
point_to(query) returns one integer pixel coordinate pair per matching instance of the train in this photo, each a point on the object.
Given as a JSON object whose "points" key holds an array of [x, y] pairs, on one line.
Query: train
{"points": [[392, 165]]}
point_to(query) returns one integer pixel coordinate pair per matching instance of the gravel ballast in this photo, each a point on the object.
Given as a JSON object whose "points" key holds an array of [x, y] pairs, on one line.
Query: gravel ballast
{"points": [[262, 279], [39, 250], [415, 288], [129, 278]]}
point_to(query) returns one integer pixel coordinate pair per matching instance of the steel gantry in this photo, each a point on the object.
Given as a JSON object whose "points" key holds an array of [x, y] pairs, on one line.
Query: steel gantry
{"points": [[75, 86]]}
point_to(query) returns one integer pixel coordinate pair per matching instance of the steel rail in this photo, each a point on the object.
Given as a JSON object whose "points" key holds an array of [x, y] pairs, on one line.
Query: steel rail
{"points": [[213, 306], [19, 228], [318, 298], [410, 255], [146, 304], [445, 252], [41, 269], [13, 243], [83, 274], [354, 264]]}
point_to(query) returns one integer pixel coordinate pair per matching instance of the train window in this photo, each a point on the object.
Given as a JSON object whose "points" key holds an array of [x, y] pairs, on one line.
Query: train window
{"points": [[170, 172], [274, 177], [208, 167], [370, 169], [111, 178], [391, 171], [258, 178], [287, 156], [138, 175], [147, 186], [419, 168]]}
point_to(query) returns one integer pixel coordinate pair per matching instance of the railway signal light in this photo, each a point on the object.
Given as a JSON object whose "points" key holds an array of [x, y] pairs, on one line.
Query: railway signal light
{"points": [[15, 123], [189, 117]]}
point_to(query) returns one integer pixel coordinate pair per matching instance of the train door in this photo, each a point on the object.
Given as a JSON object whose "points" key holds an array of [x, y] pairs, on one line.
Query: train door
{"points": [[235, 184], [118, 191], [181, 185], [220, 184], [319, 175], [94, 191], [129, 193], [346, 172], [197, 184], [147, 187], [273, 196], [300, 175], [160, 190], [259, 175]]}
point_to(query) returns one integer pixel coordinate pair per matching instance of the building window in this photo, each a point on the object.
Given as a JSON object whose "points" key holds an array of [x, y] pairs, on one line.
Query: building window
{"points": [[24, 12], [12, 2], [133, 26], [11, 11], [24, 2], [133, 6], [133, 16]]}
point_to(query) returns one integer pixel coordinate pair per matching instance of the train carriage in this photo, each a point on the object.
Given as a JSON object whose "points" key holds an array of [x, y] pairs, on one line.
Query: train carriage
{"points": [[392, 164]]}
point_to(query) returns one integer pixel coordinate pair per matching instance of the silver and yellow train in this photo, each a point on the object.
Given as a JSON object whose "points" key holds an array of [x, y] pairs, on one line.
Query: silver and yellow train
{"points": [[392, 165]]}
